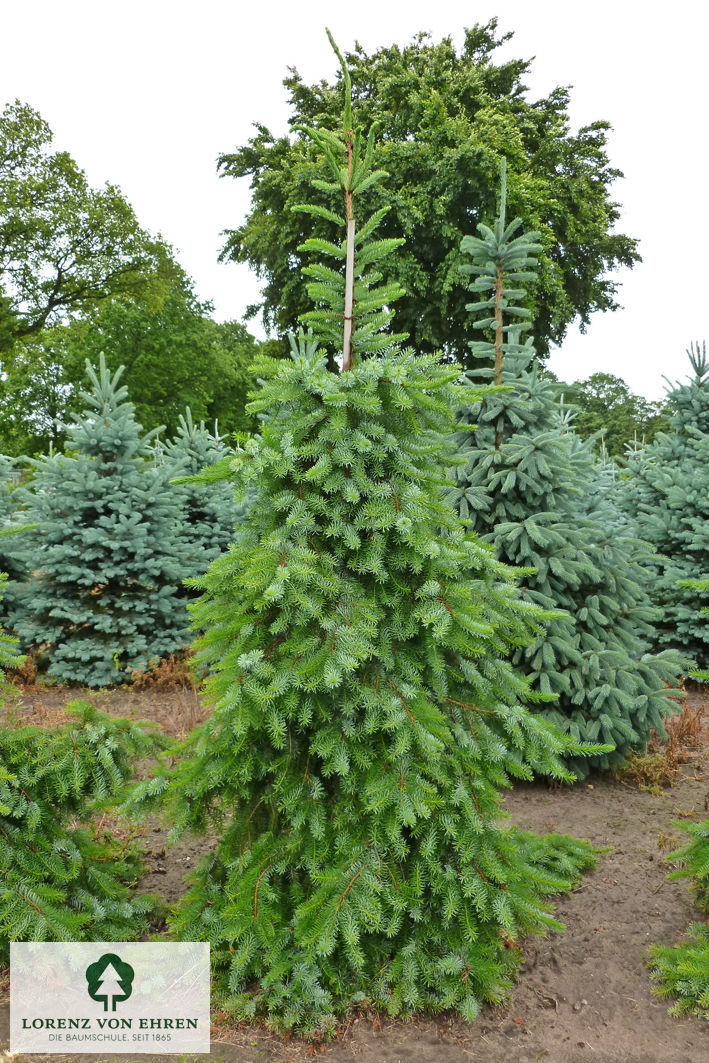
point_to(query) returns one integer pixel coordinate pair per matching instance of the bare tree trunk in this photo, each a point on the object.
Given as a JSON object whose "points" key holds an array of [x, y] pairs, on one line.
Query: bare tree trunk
{"points": [[499, 292], [349, 268]]}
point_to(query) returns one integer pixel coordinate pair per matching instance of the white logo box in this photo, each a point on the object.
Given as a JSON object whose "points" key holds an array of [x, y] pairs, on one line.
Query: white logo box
{"points": [[109, 996]]}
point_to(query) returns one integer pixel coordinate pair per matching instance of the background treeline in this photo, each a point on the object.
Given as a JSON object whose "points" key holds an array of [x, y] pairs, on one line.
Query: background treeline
{"points": [[79, 275]]}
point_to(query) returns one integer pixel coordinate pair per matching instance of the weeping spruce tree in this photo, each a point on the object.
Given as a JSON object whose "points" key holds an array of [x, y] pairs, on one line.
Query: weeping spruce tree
{"points": [[532, 489], [365, 714]]}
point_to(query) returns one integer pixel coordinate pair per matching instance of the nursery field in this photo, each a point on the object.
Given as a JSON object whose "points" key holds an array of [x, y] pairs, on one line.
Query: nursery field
{"points": [[584, 994], [411, 581]]}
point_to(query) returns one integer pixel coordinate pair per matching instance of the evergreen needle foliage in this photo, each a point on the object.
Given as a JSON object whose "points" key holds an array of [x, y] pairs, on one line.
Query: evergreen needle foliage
{"points": [[682, 971], [58, 881], [694, 860], [666, 493], [104, 596], [534, 490], [10, 563], [207, 511], [365, 714], [9, 657]]}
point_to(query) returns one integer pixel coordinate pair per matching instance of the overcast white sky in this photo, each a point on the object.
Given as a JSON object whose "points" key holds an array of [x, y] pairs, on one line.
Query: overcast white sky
{"points": [[147, 93]]}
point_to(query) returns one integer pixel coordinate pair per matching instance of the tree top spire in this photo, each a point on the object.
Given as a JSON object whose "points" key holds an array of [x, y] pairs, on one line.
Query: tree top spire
{"points": [[347, 116]]}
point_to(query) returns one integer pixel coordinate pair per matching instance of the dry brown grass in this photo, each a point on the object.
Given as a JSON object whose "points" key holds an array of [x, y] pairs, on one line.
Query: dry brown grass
{"points": [[659, 767], [685, 731], [653, 771], [26, 674], [171, 673]]}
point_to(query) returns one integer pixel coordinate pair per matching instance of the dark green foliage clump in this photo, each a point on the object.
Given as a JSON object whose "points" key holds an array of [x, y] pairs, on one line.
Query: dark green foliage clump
{"points": [[104, 595], [365, 713], [682, 971], [58, 881], [666, 494], [534, 490], [174, 356]]}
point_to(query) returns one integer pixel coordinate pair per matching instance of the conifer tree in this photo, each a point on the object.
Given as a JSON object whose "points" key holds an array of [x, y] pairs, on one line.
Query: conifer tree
{"points": [[6, 465], [365, 714], [533, 489], [10, 564], [682, 970], [59, 881], [666, 493], [9, 520], [104, 594], [9, 657], [207, 511]]}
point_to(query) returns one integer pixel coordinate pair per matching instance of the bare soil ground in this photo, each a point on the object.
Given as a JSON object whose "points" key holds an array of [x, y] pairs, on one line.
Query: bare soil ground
{"points": [[582, 995]]}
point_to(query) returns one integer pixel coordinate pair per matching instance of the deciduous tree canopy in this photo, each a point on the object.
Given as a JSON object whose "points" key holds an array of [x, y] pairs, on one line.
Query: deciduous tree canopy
{"points": [[605, 403], [444, 118], [64, 246], [174, 354], [79, 278]]}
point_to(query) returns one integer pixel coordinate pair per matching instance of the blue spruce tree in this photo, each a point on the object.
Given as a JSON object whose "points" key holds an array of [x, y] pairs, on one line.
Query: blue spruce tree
{"points": [[666, 492], [533, 490], [365, 714], [207, 510], [103, 597]]}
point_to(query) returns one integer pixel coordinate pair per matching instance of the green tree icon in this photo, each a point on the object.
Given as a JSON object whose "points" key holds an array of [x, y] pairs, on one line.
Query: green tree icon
{"points": [[110, 980]]}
